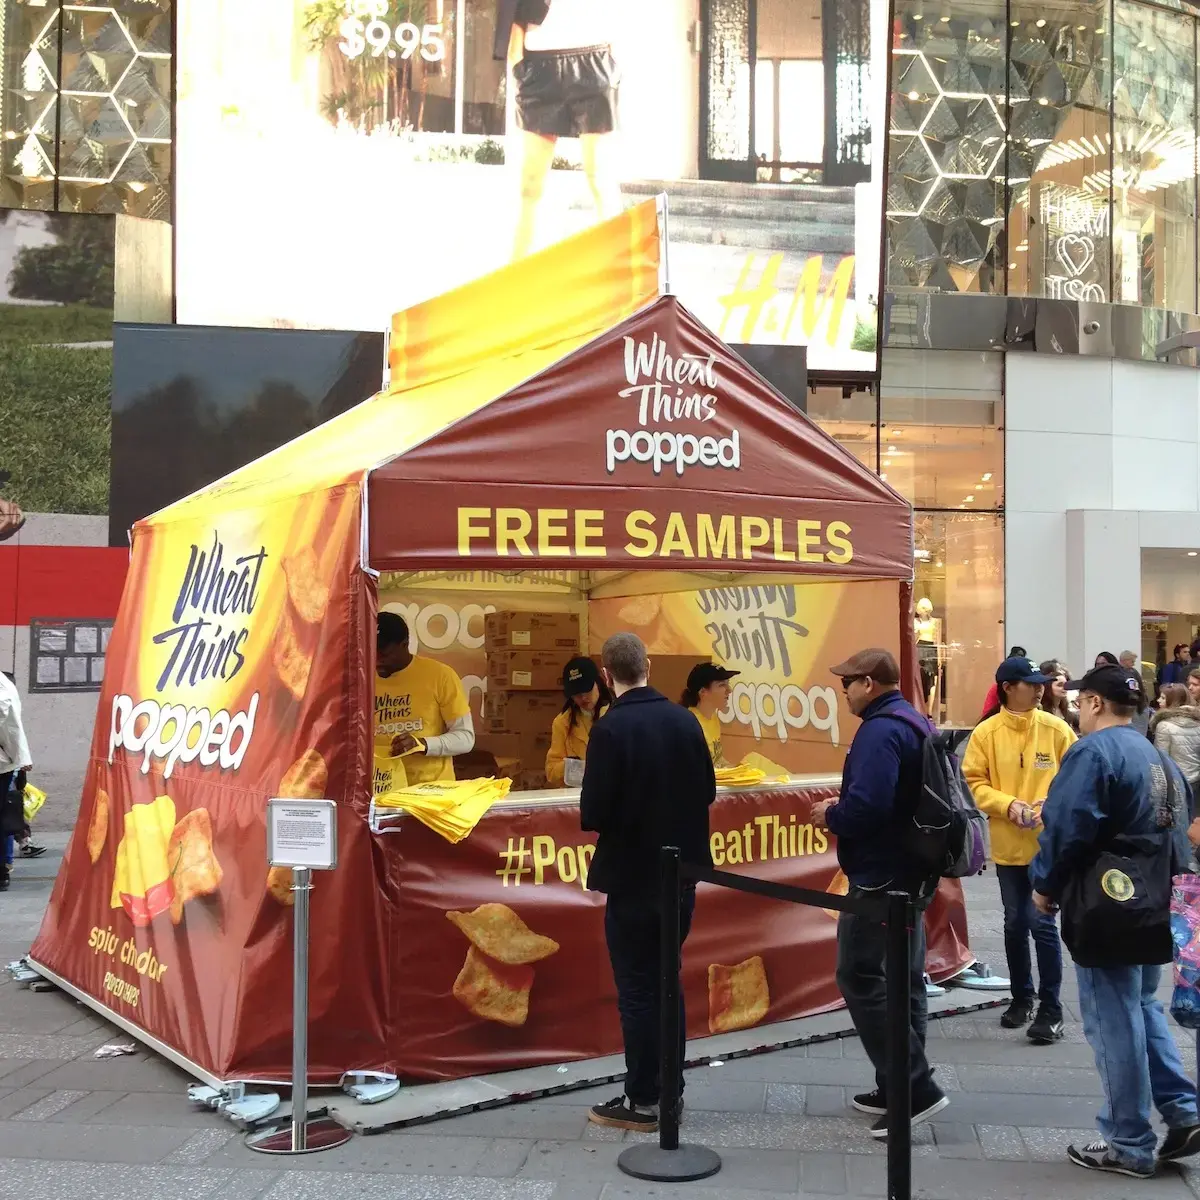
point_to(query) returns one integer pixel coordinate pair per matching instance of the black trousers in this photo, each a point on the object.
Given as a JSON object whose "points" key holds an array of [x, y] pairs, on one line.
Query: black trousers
{"points": [[632, 928], [861, 955]]}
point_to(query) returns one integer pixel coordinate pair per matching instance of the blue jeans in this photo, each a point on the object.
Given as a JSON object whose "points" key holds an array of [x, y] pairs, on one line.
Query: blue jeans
{"points": [[1021, 920], [10, 843], [1138, 1060]]}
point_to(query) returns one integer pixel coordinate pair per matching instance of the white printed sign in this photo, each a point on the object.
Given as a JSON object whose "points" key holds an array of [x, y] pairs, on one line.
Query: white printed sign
{"points": [[302, 833]]}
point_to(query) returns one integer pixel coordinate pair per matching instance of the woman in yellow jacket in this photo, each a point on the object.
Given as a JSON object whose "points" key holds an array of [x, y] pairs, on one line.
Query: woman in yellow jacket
{"points": [[587, 698], [1010, 762]]}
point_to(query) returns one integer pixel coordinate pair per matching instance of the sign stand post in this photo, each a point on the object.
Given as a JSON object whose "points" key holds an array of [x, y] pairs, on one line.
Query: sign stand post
{"points": [[302, 835]]}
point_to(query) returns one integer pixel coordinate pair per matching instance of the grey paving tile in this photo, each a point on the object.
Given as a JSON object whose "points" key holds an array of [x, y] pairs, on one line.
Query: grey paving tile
{"points": [[629, 1189], [357, 1185], [785, 1097], [48, 1106], [99, 1181], [399, 1153], [956, 1141], [56, 1046], [157, 1108], [823, 1174], [141, 1072], [825, 1100], [603, 1133], [1024, 1080], [1010, 1051], [579, 1189], [201, 1145], [20, 1099], [90, 1106], [505, 1157], [1047, 1112], [18, 1072], [53, 1140], [1001, 1142], [1050, 1145], [542, 1119], [722, 1094]]}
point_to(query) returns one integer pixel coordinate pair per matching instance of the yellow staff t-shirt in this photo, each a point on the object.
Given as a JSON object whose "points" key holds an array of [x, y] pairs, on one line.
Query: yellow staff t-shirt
{"points": [[712, 735], [422, 700]]}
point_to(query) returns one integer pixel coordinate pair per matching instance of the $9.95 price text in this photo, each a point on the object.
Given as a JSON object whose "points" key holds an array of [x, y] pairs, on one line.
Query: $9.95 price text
{"points": [[365, 28]]}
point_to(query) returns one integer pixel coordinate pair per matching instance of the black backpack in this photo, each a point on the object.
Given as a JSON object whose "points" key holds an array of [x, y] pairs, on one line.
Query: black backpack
{"points": [[946, 836]]}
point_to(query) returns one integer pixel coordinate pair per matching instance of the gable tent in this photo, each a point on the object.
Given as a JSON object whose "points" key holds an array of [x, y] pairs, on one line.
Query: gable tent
{"points": [[564, 414]]}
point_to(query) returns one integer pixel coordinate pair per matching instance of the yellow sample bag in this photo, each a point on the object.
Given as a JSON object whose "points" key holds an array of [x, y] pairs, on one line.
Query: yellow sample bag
{"points": [[451, 807], [34, 799]]}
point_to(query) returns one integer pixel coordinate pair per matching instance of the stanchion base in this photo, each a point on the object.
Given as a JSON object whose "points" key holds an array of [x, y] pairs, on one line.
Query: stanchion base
{"points": [[322, 1134], [651, 1162]]}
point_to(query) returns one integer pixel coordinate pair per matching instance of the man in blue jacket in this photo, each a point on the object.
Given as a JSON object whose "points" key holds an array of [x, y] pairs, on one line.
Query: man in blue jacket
{"points": [[881, 781], [1111, 782]]}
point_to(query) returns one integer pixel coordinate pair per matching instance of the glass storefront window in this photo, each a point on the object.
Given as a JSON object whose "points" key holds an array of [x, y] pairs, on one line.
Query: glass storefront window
{"points": [[1154, 158], [1045, 151], [941, 443], [1059, 215], [851, 420], [945, 196], [959, 593], [85, 106]]}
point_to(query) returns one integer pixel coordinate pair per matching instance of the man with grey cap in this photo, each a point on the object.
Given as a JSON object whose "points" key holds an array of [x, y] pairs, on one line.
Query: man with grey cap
{"points": [[881, 781]]}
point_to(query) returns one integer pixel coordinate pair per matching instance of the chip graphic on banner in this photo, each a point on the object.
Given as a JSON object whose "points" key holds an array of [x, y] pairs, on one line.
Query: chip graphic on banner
{"points": [[142, 880], [498, 932], [98, 826], [194, 867], [738, 996], [308, 592], [306, 779], [494, 991]]}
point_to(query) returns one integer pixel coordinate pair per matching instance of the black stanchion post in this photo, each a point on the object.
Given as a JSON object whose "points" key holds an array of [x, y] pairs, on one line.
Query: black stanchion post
{"points": [[669, 965], [899, 1067], [669, 1161]]}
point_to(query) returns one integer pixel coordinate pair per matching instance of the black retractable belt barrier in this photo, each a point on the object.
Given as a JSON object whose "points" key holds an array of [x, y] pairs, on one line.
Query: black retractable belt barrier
{"points": [[669, 1161]]}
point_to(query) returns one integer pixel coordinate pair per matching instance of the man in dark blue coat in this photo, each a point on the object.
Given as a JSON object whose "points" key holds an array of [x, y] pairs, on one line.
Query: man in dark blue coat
{"points": [[881, 781], [649, 783]]}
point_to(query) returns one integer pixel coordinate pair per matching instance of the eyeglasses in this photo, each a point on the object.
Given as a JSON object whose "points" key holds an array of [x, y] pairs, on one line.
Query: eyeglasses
{"points": [[847, 680]]}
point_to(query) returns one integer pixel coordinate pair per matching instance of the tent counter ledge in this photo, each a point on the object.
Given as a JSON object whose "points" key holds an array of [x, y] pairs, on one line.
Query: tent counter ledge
{"points": [[560, 437]]}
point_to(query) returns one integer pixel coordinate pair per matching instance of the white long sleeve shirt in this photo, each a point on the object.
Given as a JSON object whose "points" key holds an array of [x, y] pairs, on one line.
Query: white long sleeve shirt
{"points": [[14, 749]]}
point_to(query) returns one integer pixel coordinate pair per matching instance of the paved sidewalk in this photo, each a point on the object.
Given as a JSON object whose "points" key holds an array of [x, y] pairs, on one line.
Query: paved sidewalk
{"points": [[72, 1125]]}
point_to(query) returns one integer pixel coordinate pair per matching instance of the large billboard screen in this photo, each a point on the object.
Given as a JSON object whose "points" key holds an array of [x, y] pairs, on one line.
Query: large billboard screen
{"points": [[340, 160]]}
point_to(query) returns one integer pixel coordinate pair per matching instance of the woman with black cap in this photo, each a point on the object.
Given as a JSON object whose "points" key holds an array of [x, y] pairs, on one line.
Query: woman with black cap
{"points": [[706, 694], [587, 698]]}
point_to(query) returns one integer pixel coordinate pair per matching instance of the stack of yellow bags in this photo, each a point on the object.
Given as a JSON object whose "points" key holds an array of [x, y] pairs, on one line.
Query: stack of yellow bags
{"points": [[450, 807], [745, 775]]}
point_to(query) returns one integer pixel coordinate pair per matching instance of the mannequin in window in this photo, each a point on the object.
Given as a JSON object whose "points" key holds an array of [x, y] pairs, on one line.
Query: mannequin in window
{"points": [[566, 80], [929, 650]]}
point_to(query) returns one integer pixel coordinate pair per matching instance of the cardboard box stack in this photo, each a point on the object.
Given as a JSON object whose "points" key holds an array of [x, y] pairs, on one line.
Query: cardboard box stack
{"points": [[526, 654]]}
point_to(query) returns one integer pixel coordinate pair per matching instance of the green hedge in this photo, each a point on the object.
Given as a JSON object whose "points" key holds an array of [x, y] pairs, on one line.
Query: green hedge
{"points": [[38, 324], [55, 411]]}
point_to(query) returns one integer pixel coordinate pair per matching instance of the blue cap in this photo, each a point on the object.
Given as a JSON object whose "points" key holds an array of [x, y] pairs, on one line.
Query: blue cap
{"points": [[1019, 670]]}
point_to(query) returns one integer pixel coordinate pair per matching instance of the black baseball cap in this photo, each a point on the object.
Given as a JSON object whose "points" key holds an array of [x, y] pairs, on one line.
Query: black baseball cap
{"points": [[1121, 685], [1019, 670], [580, 675], [704, 675]]}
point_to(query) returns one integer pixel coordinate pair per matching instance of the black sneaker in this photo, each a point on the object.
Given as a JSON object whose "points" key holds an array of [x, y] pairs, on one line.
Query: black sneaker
{"points": [[1047, 1027], [1096, 1156], [1017, 1014], [1180, 1143], [925, 1107], [621, 1113], [3, 879], [874, 1103], [29, 850]]}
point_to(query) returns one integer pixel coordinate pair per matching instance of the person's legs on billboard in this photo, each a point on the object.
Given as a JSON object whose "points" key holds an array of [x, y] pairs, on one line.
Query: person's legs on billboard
{"points": [[537, 155], [599, 167]]}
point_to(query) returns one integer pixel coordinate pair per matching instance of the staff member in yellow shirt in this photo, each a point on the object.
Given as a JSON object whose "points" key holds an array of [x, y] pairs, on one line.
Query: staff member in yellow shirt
{"points": [[587, 699], [419, 702], [706, 694], [1010, 762]]}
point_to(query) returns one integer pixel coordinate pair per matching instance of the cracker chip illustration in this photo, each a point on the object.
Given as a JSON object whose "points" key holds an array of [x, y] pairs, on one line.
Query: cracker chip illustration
{"points": [[279, 884], [494, 991], [98, 828], [291, 662], [306, 778], [640, 611], [737, 996], [308, 592], [194, 867], [142, 883], [838, 886], [500, 934]]}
